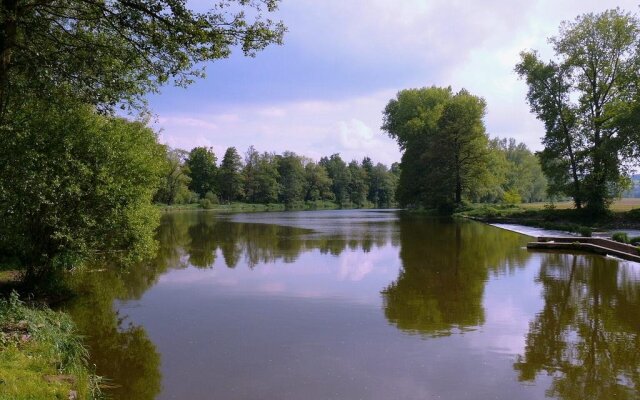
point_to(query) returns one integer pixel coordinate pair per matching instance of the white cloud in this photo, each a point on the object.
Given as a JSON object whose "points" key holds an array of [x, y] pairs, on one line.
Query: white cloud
{"points": [[312, 128], [328, 107]]}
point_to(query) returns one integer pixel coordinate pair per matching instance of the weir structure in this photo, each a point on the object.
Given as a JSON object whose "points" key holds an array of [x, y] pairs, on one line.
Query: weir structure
{"points": [[600, 246]]}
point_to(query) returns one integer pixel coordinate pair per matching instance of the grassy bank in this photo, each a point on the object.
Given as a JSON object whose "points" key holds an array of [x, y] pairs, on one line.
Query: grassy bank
{"points": [[624, 214], [250, 207], [41, 356]]}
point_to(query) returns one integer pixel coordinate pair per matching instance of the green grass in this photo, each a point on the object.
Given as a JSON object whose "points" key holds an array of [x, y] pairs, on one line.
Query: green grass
{"points": [[41, 356], [624, 214], [250, 207], [619, 205]]}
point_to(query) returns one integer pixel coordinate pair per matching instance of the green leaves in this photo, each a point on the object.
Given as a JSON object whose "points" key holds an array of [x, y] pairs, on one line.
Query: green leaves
{"points": [[113, 52], [446, 147], [587, 99], [74, 182]]}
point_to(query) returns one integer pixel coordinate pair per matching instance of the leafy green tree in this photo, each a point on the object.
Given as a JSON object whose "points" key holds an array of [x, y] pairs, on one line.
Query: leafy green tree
{"points": [[261, 177], [230, 176], [107, 52], [340, 177], [382, 185], [74, 182], [249, 173], [318, 183], [523, 173], [202, 170], [586, 100], [444, 142], [175, 186], [291, 178], [411, 118], [459, 150], [358, 184]]}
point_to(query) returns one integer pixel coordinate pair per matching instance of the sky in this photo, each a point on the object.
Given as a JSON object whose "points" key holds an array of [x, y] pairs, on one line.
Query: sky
{"points": [[324, 90]]}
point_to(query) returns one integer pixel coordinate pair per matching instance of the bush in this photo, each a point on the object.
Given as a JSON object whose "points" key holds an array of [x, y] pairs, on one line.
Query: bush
{"points": [[634, 240], [620, 237], [212, 197], [512, 197], [206, 204], [585, 231], [73, 182]]}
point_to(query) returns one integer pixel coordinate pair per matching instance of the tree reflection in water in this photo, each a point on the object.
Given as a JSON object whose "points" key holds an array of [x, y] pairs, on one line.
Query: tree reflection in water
{"points": [[587, 336], [445, 266]]}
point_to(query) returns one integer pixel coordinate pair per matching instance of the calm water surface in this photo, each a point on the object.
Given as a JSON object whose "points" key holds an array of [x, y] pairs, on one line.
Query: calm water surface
{"points": [[361, 305]]}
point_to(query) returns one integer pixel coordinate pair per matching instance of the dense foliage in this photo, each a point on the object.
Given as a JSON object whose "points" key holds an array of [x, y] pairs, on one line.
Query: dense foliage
{"points": [[110, 52], [589, 101], [285, 178], [73, 181], [448, 157]]}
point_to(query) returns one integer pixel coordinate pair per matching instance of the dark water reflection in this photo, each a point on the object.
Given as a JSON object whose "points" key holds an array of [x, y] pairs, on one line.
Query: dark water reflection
{"points": [[360, 304]]}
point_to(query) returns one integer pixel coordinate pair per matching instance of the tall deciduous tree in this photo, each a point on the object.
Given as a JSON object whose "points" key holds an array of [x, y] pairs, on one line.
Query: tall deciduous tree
{"points": [[458, 153], [105, 52], [292, 178], [358, 184], [586, 97], [340, 177], [317, 183], [176, 178], [230, 176], [202, 170], [444, 143]]}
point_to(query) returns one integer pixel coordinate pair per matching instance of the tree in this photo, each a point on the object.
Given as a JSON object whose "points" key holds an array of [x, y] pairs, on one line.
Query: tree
{"points": [[261, 177], [382, 185], [586, 99], [459, 151], [229, 176], [73, 182], [523, 173], [202, 170], [339, 175], [107, 52], [444, 142], [358, 184], [317, 183], [292, 178], [176, 179]]}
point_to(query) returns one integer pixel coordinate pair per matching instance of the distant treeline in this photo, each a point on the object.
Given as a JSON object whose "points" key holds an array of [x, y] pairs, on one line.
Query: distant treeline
{"points": [[635, 187], [287, 178]]}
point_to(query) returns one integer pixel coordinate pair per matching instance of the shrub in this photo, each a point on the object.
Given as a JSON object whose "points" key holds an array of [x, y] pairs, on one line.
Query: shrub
{"points": [[634, 240], [73, 182], [206, 204], [620, 237], [212, 197], [512, 197], [585, 231]]}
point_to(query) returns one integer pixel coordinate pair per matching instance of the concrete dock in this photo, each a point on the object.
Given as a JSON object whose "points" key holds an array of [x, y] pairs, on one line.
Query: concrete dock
{"points": [[593, 245]]}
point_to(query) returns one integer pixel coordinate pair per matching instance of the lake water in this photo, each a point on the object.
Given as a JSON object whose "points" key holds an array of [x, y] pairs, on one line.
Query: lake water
{"points": [[360, 305]]}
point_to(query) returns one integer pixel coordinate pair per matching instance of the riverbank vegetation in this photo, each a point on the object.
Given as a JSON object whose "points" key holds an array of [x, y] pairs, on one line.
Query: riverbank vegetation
{"points": [[623, 214], [267, 181], [41, 355]]}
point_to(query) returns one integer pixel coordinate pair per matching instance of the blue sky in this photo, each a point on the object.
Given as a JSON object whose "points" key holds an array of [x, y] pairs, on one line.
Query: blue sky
{"points": [[324, 90]]}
